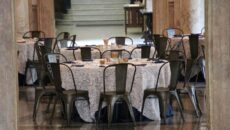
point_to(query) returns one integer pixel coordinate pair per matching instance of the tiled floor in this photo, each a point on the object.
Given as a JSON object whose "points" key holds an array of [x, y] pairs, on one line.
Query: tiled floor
{"points": [[42, 123]]}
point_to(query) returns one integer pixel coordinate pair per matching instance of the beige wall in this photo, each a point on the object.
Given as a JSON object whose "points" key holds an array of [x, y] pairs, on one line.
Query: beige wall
{"points": [[8, 71]]}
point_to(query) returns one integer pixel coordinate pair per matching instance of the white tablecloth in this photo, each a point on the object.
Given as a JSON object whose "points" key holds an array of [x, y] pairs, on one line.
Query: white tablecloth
{"points": [[96, 54], [25, 53], [90, 77]]}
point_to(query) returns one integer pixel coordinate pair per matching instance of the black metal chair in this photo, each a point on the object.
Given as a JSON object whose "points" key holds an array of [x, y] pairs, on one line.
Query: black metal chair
{"points": [[86, 53], [161, 44], [145, 51], [73, 39], [49, 42], [67, 97], [63, 35], [120, 92], [192, 69], [122, 53], [33, 34], [43, 89], [120, 40], [172, 32], [163, 93], [63, 43]]}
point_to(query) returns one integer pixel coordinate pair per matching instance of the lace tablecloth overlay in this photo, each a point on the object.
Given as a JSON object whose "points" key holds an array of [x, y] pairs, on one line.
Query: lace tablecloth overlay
{"points": [[90, 77], [96, 55], [177, 40]]}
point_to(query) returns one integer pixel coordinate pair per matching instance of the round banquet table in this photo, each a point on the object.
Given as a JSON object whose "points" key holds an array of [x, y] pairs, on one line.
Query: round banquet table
{"points": [[90, 77]]}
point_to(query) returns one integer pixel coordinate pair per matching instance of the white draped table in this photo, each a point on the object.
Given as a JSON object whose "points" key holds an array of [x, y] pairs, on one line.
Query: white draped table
{"points": [[90, 77], [25, 52], [95, 54]]}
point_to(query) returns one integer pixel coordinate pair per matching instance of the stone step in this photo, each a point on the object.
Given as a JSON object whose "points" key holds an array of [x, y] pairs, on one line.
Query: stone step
{"points": [[97, 6], [89, 23], [96, 11], [94, 17]]}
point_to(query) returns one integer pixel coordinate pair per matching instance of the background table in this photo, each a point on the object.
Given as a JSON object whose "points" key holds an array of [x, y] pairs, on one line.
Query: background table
{"points": [[96, 55], [177, 40], [90, 77]]}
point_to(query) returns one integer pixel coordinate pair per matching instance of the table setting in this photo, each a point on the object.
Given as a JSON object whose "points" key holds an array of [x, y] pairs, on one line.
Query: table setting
{"points": [[89, 76]]}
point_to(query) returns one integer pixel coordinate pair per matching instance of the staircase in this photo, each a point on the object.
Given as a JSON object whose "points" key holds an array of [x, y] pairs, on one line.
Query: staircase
{"points": [[94, 12]]}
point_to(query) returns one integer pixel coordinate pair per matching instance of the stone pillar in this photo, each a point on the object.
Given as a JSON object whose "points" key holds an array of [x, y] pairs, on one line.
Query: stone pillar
{"points": [[196, 12], [8, 68], [21, 17], [218, 63]]}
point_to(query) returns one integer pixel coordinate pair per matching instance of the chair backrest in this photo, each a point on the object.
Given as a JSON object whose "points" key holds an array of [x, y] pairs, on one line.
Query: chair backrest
{"points": [[53, 68], [55, 58], [145, 51], [63, 43], [122, 53], [73, 39], [172, 32], [49, 42], [160, 46], [86, 53], [63, 35], [121, 40], [121, 71], [33, 34], [159, 72], [175, 72], [194, 45]]}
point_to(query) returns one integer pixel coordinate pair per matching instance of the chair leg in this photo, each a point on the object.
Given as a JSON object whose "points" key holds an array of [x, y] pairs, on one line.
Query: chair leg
{"points": [[111, 104], [48, 106], [69, 106], [36, 104], [53, 111], [174, 93], [191, 92], [180, 100], [128, 102], [142, 107], [99, 110], [163, 102]]}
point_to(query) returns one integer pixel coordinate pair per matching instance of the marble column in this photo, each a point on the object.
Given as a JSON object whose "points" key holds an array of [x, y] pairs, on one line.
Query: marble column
{"points": [[196, 12], [218, 63], [8, 68]]}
